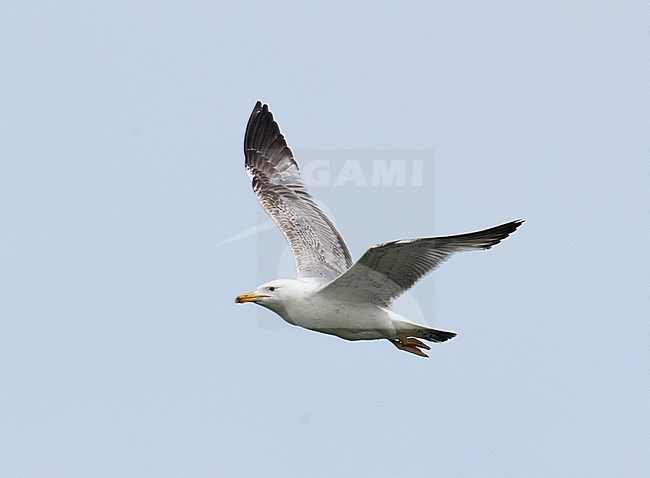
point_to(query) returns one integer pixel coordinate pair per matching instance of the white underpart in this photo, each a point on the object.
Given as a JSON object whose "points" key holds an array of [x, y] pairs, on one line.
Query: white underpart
{"points": [[301, 303]]}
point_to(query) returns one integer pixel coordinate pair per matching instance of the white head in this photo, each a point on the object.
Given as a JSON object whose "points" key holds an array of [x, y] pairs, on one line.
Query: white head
{"points": [[274, 295]]}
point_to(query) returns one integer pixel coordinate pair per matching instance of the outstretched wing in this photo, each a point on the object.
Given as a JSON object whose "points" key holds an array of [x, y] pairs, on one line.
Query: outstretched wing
{"points": [[388, 270], [317, 247]]}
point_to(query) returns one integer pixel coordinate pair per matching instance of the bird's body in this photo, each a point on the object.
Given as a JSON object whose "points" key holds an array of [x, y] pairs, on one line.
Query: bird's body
{"points": [[303, 305], [333, 295]]}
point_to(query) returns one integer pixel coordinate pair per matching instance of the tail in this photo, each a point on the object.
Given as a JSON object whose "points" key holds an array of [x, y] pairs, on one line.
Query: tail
{"points": [[433, 335], [408, 334]]}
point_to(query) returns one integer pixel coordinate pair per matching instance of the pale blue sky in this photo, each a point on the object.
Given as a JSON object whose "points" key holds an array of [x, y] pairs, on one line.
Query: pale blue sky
{"points": [[122, 352]]}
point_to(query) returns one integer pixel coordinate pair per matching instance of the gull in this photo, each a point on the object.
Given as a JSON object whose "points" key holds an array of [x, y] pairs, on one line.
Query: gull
{"points": [[331, 294]]}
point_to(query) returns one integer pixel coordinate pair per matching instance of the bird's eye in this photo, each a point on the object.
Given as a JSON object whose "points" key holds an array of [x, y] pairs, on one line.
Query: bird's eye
{"points": [[271, 289]]}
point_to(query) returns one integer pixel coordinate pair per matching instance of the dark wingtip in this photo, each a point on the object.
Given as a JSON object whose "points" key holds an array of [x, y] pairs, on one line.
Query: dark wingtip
{"points": [[261, 108], [511, 226], [501, 232], [514, 225]]}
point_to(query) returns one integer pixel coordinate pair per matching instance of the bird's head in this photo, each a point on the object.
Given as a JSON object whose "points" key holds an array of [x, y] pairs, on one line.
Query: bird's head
{"points": [[272, 295]]}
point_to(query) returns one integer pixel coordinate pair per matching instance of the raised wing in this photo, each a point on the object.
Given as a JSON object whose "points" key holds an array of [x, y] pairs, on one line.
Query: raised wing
{"points": [[388, 270], [318, 249]]}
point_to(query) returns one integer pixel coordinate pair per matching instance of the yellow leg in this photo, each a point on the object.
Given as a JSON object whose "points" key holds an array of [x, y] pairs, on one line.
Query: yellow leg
{"points": [[411, 345]]}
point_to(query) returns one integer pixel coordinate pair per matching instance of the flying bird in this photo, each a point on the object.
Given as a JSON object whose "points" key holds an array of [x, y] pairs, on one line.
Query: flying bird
{"points": [[332, 294]]}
